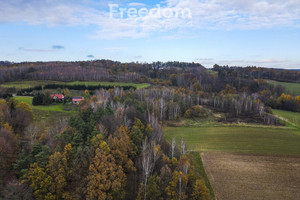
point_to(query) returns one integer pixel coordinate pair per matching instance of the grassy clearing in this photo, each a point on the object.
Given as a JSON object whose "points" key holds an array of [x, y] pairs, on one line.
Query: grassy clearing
{"points": [[49, 118], [293, 88], [213, 123], [24, 99], [28, 84], [238, 139], [54, 108], [290, 118]]}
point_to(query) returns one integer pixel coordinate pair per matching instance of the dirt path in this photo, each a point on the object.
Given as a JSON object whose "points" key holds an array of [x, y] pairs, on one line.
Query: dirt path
{"points": [[253, 177]]}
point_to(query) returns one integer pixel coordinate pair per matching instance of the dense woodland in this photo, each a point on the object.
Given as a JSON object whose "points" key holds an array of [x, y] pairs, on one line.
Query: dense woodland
{"points": [[114, 147]]}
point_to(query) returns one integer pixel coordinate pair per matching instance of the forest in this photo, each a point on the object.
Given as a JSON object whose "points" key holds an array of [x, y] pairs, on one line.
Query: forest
{"points": [[114, 146]]}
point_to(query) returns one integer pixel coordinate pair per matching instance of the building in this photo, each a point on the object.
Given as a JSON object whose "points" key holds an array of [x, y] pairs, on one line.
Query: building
{"points": [[57, 97], [77, 100]]}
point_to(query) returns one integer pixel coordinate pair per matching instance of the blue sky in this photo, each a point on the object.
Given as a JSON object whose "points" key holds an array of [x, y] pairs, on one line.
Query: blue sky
{"points": [[264, 33]]}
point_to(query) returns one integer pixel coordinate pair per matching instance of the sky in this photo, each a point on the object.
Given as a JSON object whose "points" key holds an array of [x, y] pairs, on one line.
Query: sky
{"points": [[264, 33]]}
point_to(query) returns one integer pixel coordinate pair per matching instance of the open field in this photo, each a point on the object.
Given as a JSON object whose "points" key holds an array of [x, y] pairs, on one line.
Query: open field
{"points": [[291, 118], [238, 139], [137, 85], [24, 99], [236, 177], [28, 84], [56, 107], [48, 116], [293, 88]]}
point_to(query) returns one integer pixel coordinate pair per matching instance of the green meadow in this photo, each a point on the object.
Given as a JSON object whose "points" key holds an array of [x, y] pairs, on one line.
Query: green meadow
{"points": [[293, 88], [238, 139], [54, 108], [28, 84], [290, 118]]}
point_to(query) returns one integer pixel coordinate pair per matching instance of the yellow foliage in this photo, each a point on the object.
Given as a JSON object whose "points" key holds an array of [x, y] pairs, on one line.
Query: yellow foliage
{"points": [[176, 188], [59, 170], [125, 130], [200, 191], [149, 129], [174, 161], [25, 106], [8, 127], [96, 141], [105, 179], [104, 147], [2, 101], [40, 182]]}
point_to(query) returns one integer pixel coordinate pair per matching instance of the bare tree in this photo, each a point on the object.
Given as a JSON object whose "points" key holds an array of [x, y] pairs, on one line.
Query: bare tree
{"points": [[183, 148], [173, 147], [151, 154], [147, 166]]}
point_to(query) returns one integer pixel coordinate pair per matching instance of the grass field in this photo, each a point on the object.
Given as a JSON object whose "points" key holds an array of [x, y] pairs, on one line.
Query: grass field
{"points": [[290, 118], [24, 99], [238, 139], [54, 108], [293, 88], [28, 84], [137, 85]]}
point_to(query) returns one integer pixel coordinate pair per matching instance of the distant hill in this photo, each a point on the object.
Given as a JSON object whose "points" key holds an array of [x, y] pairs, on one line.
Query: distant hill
{"points": [[4, 63]]}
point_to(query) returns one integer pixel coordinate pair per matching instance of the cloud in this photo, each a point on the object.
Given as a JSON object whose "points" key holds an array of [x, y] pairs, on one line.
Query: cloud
{"points": [[206, 15], [138, 57], [57, 47], [53, 48], [91, 56], [136, 4], [204, 61]]}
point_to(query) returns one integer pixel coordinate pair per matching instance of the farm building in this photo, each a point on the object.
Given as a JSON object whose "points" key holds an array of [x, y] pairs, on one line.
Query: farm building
{"points": [[57, 97], [77, 100]]}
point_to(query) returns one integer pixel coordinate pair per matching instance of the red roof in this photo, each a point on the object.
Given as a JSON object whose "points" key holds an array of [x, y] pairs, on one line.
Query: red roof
{"points": [[77, 99], [57, 96]]}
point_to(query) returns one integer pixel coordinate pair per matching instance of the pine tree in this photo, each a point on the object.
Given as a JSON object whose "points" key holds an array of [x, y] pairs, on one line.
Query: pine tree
{"points": [[136, 135]]}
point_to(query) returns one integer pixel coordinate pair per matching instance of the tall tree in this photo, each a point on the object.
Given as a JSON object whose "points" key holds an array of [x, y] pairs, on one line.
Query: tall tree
{"points": [[40, 182], [58, 169], [177, 186], [106, 179]]}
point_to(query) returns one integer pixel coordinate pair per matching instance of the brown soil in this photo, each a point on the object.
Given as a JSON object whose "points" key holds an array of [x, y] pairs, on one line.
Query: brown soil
{"points": [[243, 177]]}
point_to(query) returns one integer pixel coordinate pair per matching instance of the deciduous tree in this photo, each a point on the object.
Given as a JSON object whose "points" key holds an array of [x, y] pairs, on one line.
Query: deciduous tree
{"points": [[105, 179]]}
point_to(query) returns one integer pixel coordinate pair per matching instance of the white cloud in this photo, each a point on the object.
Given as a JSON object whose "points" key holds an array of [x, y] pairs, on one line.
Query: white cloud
{"points": [[136, 4], [209, 14]]}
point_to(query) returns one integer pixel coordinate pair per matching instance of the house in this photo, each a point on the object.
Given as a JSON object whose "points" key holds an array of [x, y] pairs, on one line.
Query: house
{"points": [[77, 100], [57, 97]]}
